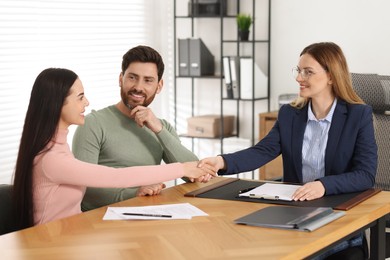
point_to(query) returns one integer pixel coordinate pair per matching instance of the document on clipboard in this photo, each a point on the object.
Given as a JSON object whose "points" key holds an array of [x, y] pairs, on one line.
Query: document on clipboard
{"points": [[271, 191]]}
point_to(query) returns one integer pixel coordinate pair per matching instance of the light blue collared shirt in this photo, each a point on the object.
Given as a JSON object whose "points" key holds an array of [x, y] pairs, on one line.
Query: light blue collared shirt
{"points": [[314, 145]]}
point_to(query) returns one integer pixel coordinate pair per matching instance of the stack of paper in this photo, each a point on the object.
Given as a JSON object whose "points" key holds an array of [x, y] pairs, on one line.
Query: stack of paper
{"points": [[168, 211]]}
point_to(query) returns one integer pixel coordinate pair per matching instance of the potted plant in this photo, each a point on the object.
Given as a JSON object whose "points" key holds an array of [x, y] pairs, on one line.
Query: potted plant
{"points": [[244, 21]]}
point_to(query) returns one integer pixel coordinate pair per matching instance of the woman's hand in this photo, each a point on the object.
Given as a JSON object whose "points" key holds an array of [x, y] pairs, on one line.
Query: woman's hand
{"points": [[309, 191], [193, 170], [204, 178]]}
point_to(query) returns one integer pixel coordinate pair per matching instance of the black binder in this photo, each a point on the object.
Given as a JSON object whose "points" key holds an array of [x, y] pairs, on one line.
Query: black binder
{"points": [[229, 188], [184, 57], [201, 59], [195, 59], [207, 8]]}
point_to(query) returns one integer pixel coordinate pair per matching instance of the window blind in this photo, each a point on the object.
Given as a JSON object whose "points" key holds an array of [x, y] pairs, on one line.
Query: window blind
{"points": [[86, 36]]}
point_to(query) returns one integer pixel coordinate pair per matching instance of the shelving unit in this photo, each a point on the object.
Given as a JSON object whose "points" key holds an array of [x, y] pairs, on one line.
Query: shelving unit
{"points": [[257, 47]]}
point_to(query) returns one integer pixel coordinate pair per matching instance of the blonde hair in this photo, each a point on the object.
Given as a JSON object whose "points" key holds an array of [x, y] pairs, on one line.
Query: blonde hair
{"points": [[330, 56]]}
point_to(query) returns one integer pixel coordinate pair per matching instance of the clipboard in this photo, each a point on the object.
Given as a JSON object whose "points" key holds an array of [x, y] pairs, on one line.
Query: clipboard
{"points": [[228, 189], [275, 191]]}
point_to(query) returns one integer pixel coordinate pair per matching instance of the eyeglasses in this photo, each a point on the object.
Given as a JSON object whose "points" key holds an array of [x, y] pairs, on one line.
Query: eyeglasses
{"points": [[305, 73]]}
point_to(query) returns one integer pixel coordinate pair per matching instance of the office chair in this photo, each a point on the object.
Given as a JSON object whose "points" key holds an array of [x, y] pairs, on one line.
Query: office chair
{"points": [[375, 91], [7, 219], [286, 98]]}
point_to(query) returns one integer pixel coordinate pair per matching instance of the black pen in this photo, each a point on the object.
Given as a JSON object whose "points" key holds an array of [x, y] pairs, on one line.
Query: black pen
{"points": [[147, 215], [247, 189]]}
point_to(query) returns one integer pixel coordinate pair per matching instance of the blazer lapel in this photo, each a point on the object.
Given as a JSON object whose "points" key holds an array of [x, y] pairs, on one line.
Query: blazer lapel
{"points": [[336, 128], [298, 131]]}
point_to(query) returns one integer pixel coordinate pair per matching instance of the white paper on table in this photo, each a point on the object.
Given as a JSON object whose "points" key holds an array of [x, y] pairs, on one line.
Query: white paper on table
{"points": [[177, 211], [273, 190]]}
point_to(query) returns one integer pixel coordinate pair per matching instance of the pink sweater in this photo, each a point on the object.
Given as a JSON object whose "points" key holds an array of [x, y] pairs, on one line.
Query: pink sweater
{"points": [[60, 180]]}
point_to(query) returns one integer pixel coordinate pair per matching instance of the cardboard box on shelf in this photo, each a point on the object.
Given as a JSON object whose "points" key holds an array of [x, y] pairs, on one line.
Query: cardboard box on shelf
{"points": [[210, 126]]}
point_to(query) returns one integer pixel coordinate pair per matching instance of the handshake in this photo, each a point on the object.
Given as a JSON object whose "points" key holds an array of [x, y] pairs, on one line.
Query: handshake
{"points": [[203, 170], [199, 171]]}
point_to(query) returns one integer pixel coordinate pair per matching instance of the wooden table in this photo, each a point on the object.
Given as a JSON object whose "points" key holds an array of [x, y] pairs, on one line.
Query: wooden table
{"points": [[87, 236]]}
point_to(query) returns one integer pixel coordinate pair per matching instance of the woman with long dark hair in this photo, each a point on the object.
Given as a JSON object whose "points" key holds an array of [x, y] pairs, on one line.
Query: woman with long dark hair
{"points": [[49, 183]]}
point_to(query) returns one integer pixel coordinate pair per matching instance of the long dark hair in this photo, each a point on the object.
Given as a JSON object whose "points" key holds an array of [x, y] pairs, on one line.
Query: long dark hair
{"points": [[48, 94]]}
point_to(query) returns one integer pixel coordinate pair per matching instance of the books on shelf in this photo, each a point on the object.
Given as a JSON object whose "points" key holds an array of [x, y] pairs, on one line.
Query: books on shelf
{"points": [[228, 77], [252, 87], [239, 80], [235, 69], [294, 218]]}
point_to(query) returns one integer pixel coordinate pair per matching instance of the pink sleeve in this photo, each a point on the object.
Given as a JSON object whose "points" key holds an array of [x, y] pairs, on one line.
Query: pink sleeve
{"points": [[66, 169]]}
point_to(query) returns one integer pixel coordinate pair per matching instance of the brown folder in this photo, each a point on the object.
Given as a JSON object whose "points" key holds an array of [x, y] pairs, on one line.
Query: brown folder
{"points": [[347, 205]]}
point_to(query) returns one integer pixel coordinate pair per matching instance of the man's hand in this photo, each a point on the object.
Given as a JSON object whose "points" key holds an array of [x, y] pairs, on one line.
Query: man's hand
{"points": [[144, 116], [150, 190]]}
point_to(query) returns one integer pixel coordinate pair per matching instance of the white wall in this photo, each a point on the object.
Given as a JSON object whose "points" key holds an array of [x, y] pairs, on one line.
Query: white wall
{"points": [[360, 27], [37, 34]]}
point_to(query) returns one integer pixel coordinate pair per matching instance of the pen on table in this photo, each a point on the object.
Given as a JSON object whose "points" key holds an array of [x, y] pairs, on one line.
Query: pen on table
{"points": [[246, 190], [263, 196], [147, 215]]}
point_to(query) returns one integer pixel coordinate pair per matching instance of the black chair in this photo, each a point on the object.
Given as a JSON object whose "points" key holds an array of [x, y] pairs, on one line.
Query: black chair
{"points": [[7, 215], [375, 91], [351, 253]]}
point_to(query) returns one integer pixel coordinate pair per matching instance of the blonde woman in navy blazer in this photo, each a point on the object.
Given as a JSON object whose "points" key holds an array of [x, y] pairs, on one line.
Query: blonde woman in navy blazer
{"points": [[349, 157], [326, 136]]}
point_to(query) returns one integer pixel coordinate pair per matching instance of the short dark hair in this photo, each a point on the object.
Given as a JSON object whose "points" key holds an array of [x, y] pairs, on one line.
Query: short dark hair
{"points": [[143, 53]]}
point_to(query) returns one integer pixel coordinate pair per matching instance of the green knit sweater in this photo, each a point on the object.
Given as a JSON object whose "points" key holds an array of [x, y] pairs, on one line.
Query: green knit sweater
{"points": [[110, 138]]}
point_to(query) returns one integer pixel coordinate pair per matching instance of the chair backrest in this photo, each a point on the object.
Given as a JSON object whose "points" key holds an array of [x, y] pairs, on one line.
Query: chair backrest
{"points": [[286, 98], [375, 91], [7, 215]]}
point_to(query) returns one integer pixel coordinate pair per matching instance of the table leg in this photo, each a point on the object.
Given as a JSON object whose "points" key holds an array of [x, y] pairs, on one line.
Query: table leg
{"points": [[378, 239]]}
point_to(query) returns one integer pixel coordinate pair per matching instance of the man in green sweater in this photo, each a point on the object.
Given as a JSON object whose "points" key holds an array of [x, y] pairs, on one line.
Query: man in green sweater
{"points": [[128, 133]]}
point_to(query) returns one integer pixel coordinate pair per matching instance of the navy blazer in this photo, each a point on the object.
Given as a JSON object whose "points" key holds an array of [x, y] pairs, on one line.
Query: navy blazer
{"points": [[350, 155]]}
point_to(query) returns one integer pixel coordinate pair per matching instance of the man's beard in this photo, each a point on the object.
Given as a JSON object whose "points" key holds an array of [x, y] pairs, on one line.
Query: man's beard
{"points": [[126, 99]]}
